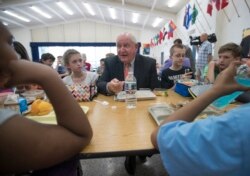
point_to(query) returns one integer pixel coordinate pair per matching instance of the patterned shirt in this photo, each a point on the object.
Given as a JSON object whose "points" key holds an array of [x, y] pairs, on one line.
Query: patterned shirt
{"points": [[204, 50]]}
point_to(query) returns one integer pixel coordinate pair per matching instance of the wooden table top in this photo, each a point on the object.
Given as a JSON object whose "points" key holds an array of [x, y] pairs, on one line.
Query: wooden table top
{"points": [[119, 131]]}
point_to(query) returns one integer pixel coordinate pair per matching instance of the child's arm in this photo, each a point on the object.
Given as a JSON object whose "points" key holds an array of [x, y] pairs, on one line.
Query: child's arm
{"points": [[210, 72], [42, 145], [224, 84]]}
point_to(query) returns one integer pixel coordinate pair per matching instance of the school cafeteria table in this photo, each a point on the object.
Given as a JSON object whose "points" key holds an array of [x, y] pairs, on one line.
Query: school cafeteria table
{"points": [[119, 131]]}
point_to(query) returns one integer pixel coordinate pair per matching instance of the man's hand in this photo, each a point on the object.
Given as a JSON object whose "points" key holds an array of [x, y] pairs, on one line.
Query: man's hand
{"points": [[115, 85]]}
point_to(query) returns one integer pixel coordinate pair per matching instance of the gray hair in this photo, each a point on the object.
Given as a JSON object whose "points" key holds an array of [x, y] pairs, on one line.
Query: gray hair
{"points": [[129, 35]]}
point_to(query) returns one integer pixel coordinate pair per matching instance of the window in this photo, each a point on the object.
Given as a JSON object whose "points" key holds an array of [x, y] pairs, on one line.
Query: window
{"points": [[94, 54], [93, 51]]}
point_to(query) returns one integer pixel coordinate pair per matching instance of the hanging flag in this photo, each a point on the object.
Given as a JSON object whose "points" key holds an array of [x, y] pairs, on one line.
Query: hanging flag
{"points": [[194, 14], [224, 3], [210, 7], [165, 32], [160, 36], [157, 39], [187, 16], [217, 4], [171, 27], [170, 34], [152, 43]]}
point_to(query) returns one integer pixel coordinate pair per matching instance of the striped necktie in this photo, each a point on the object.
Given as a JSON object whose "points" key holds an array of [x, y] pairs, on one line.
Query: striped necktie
{"points": [[126, 70]]}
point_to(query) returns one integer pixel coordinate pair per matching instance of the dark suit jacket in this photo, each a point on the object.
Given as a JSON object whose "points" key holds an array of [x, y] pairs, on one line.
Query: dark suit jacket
{"points": [[144, 71], [245, 44]]}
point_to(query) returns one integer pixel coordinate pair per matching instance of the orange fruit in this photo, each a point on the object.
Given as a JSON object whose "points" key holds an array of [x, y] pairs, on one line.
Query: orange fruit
{"points": [[40, 107], [35, 107], [44, 108]]}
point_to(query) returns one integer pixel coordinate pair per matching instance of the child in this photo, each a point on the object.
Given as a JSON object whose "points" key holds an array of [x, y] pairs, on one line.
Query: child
{"points": [[27, 145], [80, 83], [227, 53], [177, 70], [60, 67], [213, 146], [47, 59], [74, 62]]}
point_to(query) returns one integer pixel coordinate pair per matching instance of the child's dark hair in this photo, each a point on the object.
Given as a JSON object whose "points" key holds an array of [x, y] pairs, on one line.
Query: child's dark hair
{"points": [[47, 56], [20, 49], [235, 49], [175, 46]]}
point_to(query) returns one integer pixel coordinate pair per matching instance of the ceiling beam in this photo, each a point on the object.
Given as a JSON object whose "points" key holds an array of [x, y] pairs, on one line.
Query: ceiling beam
{"points": [[17, 3], [146, 19], [28, 15], [78, 9], [100, 11], [133, 8], [13, 22], [53, 11]]}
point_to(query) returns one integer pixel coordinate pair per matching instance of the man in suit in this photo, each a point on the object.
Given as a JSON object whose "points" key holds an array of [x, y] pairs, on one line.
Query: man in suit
{"points": [[144, 68]]}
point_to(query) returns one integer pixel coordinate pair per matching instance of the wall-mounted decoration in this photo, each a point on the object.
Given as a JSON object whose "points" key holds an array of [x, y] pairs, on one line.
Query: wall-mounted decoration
{"points": [[167, 32], [146, 48]]}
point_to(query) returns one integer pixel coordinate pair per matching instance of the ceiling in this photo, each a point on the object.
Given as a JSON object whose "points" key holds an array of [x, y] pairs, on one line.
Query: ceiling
{"points": [[148, 11]]}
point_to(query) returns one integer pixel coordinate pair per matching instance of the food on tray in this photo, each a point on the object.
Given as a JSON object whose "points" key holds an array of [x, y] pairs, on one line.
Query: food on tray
{"points": [[160, 92], [40, 107], [36, 94], [189, 82]]}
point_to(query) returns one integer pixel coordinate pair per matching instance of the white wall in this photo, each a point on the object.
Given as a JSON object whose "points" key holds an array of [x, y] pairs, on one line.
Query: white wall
{"points": [[83, 31], [24, 36], [226, 31], [86, 31], [231, 31]]}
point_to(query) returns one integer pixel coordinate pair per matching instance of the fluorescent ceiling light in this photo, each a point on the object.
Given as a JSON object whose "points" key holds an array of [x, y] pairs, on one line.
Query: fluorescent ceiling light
{"points": [[89, 8], [135, 17], [157, 22], [37, 10], [172, 3], [65, 8], [112, 13], [16, 16], [5, 24]]}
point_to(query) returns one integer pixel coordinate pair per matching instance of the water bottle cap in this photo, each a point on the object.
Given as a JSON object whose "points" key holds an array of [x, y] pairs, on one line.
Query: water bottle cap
{"points": [[243, 71]]}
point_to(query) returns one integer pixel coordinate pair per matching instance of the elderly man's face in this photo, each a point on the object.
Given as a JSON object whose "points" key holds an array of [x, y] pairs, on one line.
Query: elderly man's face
{"points": [[126, 49]]}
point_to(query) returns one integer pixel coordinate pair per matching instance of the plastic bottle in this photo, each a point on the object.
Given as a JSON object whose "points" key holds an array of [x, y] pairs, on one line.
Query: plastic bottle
{"points": [[242, 78], [130, 88]]}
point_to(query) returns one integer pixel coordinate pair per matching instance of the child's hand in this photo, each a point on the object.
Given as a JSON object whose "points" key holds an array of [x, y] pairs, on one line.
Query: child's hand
{"points": [[225, 82], [188, 75]]}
